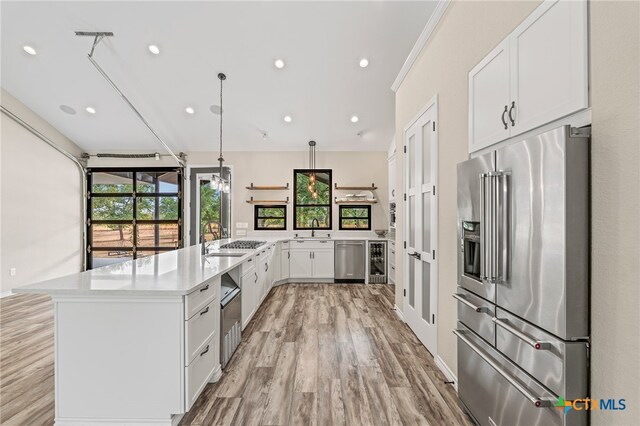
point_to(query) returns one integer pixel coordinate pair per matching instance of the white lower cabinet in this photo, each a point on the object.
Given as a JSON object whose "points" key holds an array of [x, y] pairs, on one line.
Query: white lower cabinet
{"points": [[311, 259], [300, 263], [198, 372], [323, 263], [249, 287]]}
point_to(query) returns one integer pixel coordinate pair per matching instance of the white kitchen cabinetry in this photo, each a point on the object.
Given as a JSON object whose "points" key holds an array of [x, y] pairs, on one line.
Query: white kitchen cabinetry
{"points": [[392, 178], [284, 261], [311, 259], [249, 286], [391, 256], [538, 74]]}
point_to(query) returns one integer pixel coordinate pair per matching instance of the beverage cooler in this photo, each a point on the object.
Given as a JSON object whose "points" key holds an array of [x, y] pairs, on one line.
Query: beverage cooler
{"points": [[377, 264]]}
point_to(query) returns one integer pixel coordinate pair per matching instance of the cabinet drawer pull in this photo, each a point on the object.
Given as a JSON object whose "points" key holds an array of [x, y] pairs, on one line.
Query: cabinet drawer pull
{"points": [[205, 311], [205, 288], [513, 106], [393, 267], [205, 351], [506, 126], [250, 260]]}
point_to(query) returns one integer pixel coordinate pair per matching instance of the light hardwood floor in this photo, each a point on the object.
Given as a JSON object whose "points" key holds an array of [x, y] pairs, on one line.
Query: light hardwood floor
{"points": [[313, 354]]}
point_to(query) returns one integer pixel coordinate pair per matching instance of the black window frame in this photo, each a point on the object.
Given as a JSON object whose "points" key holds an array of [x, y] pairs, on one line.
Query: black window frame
{"points": [[134, 222], [256, 217], [295, 198], [342, 207]]}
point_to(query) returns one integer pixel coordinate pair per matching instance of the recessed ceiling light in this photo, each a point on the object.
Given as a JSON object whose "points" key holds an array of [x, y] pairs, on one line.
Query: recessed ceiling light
{"points": [[30, 50], [154, 49], [279, 63], [189, 110], [215, 109], [287, 119], [364, 62], [90, 110], [354, 119], [68, 109]]}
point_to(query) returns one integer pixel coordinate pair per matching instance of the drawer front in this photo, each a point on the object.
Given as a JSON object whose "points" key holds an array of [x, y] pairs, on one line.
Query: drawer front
{"points": [[476, 313], [248, 266], [198, 372], [310, 245], [392, 272], [199, 329], [559, 365], [201, 297], [493, 389]]}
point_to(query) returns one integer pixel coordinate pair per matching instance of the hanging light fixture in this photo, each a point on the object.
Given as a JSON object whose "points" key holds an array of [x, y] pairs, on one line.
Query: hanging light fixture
{"points": [[312, 169], [219, 182]]}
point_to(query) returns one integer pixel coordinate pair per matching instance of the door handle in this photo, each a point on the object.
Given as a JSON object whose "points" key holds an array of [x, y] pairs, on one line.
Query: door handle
{"points": [[460, 298], [506, 126], [266, 267], [513, 106], [416, 256], [256, 280], [537, 401], [535, 344], [288, 255]]}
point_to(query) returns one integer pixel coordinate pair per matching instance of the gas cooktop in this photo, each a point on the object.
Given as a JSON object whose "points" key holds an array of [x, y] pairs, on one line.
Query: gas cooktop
{"points": [[243, 245]]}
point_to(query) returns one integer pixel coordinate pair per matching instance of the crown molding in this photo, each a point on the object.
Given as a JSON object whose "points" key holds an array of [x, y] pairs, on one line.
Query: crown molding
{"points": [[431, 25]]}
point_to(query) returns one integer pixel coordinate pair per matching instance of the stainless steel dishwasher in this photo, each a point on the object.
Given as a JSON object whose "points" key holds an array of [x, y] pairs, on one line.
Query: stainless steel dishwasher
{"points": [[230, 321], [350, 261]]}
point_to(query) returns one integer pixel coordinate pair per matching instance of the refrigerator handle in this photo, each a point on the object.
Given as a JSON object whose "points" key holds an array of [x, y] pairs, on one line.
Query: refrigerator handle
{"points": [[503, 211], [484, 253]]}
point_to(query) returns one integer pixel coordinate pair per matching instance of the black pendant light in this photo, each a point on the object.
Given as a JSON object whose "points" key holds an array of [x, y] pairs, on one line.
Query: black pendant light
{"points": [[219, 182]]}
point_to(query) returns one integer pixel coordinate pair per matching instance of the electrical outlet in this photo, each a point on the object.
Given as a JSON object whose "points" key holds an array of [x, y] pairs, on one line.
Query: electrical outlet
{"points": [[241, 232], [12, 272]]}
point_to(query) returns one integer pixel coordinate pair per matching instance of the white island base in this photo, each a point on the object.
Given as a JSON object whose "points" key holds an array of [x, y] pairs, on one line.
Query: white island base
{"points": [[129, 360]]}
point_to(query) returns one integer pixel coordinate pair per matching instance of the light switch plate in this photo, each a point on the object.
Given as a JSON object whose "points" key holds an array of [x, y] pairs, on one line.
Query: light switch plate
{"points": [[242, 225]]}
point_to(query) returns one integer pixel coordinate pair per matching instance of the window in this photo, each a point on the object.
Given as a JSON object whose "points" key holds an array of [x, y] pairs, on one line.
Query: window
{"points": [[357, 218], [132, 213], [307, 208], [270, 218]]}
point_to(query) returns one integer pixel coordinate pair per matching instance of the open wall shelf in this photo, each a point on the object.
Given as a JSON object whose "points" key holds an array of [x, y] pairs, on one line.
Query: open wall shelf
{"points": [[267, 188], [373, 187], [268, 202], [356, 202]]}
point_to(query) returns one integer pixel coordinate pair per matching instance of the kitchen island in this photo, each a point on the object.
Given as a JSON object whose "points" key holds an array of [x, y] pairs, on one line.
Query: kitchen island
{"points": [[137, 342]]}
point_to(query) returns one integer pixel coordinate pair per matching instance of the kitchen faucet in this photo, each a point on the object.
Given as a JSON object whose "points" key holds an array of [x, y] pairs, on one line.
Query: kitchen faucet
{"points": [[314, 224]]}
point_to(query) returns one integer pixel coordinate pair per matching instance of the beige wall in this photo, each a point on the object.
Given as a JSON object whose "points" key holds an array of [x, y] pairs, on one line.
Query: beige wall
{"points": [[41, 202], [468, 31], [276, 168], [615, 211]]}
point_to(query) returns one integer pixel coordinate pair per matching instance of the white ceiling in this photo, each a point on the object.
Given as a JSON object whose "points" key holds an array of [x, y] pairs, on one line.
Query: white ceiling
{"points": [[320, 87]]}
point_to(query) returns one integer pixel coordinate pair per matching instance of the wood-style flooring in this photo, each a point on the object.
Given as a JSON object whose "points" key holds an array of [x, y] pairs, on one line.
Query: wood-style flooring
{"points": [[313, 354], [329, 354]]}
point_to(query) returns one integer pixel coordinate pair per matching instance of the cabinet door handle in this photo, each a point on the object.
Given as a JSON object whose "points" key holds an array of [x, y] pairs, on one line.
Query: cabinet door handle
{"points": [[393, 192], [256, 280], [288, 255], [205, 351], [205, 311], [506, 126], [249, 260], [205, 288], [266, 267], [513, 106], [309, 255]]}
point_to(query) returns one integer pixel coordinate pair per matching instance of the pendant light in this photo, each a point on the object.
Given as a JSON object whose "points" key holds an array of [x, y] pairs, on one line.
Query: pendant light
{"points": [[219, 182], [312, 169]]}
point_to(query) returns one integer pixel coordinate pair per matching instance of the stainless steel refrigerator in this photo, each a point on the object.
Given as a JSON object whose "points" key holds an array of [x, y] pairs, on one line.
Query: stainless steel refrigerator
{"points": [[523, 280]]}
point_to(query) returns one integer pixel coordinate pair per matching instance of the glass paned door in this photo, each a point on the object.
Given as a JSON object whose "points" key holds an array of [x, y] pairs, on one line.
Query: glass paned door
{"points": [[420, 228]]}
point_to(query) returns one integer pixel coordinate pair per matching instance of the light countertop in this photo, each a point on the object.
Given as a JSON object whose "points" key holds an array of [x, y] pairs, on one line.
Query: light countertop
{"points": [[177, 272]]}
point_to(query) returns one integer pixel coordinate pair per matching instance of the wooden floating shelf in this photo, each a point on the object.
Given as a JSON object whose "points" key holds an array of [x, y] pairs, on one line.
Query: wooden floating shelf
{"points": [[355, 201], [268, 202], [373, 187], [267, 188]]}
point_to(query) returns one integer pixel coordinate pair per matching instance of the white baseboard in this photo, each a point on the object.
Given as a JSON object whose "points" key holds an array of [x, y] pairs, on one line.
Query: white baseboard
{"points": [[398, 313], [6, 294], [447, 371]]}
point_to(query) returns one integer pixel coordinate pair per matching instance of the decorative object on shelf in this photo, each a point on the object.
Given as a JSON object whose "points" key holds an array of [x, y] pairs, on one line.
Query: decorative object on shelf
{"points": [[267, 188], [312, 169], [373, 187], [268, 202], [354, 201], [381, 233]]}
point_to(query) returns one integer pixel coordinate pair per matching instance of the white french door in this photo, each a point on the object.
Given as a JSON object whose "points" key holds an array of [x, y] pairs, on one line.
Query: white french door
{"points": [[420, 230]]}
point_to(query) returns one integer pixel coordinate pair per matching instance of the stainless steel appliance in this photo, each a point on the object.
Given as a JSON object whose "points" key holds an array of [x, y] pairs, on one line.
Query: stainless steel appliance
{"points": [[392, 215], [350, 261], [230, 318], [377, 262], [523, 276]]}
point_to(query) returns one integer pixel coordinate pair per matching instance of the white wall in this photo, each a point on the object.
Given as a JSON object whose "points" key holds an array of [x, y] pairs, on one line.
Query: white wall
{"points": [[41, 202], [276, 168], [468, 31]]}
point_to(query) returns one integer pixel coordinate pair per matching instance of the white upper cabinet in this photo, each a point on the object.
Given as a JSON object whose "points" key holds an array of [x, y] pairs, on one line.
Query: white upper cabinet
{"points": [[488, 97], [538, 74], [392, 178]]}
